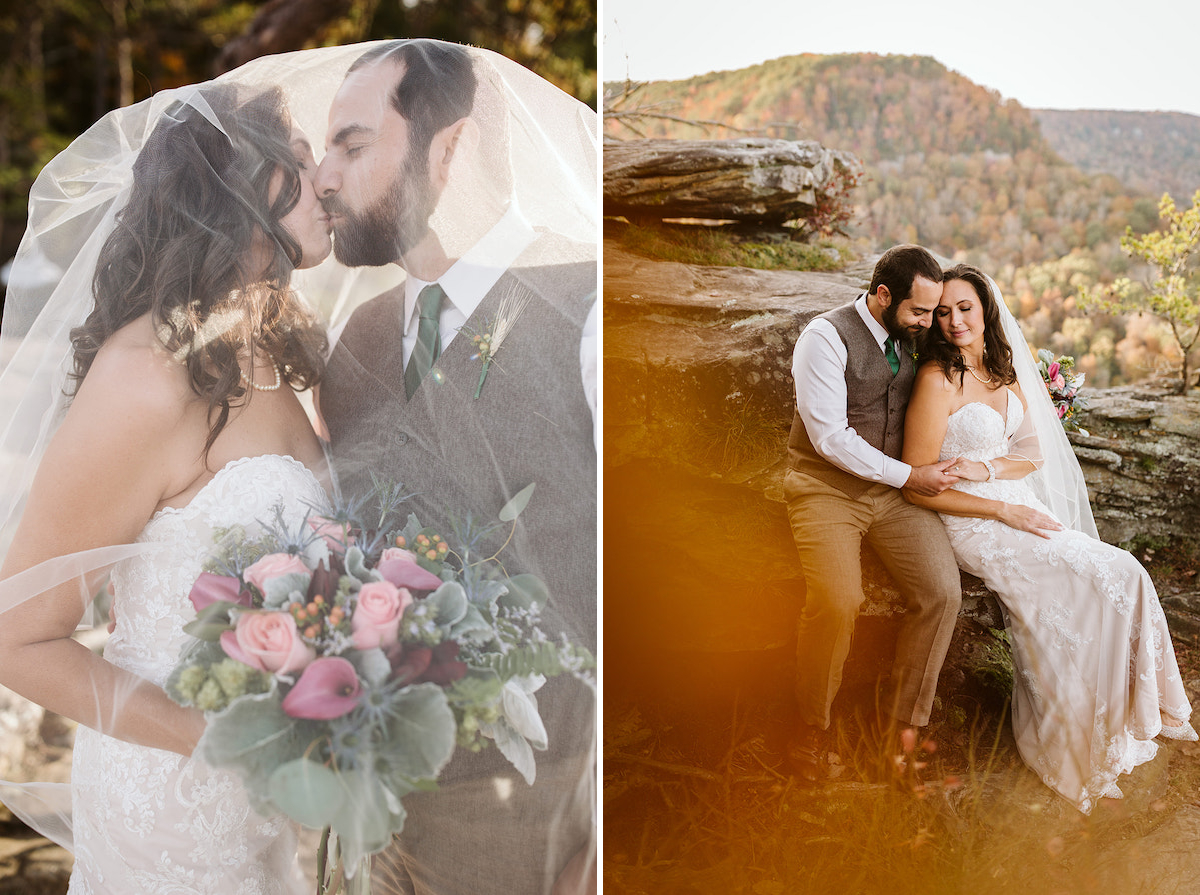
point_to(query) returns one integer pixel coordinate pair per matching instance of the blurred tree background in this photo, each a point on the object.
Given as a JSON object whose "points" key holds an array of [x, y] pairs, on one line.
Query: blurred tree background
{"points": [[68, 62]]}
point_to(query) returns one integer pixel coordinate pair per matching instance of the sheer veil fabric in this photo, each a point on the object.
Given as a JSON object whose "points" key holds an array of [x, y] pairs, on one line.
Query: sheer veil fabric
{"points": [[550, 177], [1059, 482]]}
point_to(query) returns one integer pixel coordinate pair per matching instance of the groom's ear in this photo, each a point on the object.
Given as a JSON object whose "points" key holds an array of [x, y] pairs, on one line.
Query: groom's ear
{"points": [[454, 143], [883, 295]]}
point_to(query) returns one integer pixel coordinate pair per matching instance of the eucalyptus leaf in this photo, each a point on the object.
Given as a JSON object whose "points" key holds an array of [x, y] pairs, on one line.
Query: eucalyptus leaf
{"points": [[517, 503], [211, 621], [278, 590], [372, 664], [449, 603], [525, 591], [421, 731], [472, 626], [364, 822], [356, 566], [251, 737], [307, 792]]}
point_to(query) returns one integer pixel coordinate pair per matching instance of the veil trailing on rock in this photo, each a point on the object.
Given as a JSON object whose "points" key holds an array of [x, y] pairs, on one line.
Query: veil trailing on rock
{"points": [[1058, 482], [550, 176]]}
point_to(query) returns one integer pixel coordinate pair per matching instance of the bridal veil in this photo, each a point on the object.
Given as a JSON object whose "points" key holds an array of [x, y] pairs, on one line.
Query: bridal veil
{"points": [[552, 178]]}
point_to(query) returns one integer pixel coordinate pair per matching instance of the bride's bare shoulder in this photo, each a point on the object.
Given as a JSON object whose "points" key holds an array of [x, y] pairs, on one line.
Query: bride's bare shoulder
{"points": [[134, 369], [931, 377]]}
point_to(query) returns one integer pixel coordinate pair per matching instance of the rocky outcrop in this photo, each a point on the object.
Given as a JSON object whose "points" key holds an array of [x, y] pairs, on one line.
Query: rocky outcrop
{"points": [[698, 399], [1141, 460], [752, 180]]}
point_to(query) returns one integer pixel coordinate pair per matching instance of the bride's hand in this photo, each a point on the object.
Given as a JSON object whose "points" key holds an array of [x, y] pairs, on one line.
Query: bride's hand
{"points": [[1024, 518], [971, 470]]}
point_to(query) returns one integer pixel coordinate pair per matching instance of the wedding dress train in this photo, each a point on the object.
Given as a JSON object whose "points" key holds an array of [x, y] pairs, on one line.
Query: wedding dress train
{"points": [[1095, 669], [147, 821]]}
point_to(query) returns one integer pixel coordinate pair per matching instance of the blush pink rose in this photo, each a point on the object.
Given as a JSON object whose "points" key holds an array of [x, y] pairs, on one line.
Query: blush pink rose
{"points": [[268, 641], [376, 618], [400, 567], [272, 566]]}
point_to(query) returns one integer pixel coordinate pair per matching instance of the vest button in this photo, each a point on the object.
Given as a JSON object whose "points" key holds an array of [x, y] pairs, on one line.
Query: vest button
{"points": [[402, 438]]}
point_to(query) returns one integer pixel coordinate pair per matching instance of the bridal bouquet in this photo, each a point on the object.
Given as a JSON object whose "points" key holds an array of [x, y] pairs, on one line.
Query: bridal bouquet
{"points": [[1063, 385], [341, 664]]}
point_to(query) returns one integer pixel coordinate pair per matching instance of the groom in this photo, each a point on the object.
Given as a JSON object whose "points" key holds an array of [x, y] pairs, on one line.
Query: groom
{"points": [[417, 173], [854, 368]]}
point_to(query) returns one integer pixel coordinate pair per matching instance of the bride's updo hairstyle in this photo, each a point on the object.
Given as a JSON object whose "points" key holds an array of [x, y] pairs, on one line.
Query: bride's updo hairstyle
{"points": [[997, 353], [199, 246]]}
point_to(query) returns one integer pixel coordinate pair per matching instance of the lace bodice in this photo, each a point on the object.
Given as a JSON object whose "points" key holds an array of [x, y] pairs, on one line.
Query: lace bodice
{"points": [[151, 589], [148, 822], [977, 431]]}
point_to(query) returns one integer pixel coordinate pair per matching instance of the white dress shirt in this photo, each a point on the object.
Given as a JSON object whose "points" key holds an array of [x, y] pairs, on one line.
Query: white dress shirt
{"points": [[472, 276], [819, 370]]}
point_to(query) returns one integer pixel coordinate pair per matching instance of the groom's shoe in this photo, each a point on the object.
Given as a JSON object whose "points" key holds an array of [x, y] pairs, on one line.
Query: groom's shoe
{"points": [[806, 757]]}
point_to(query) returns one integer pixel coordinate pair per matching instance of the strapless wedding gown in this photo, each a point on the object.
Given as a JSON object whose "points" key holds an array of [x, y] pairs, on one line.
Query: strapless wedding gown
{"points": [[1093, 656], [150, 822]]}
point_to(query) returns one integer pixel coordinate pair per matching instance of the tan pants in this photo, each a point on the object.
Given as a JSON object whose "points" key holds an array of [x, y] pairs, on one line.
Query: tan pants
{"points": [[829, 528]]}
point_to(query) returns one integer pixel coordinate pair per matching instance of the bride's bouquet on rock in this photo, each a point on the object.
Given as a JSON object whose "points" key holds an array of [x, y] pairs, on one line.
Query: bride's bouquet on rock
{"points": [[340, 666]]}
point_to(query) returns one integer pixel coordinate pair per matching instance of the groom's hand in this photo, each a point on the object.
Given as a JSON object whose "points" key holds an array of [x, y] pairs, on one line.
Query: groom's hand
{"points": [[933, 479]]}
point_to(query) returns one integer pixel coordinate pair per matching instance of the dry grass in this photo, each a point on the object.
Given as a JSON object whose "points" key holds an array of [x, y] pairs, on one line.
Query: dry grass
{"points": [[685, 817]]}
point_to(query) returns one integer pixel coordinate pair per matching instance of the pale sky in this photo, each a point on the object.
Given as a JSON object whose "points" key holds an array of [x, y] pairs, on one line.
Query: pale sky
{"points": [[1046, 54]]}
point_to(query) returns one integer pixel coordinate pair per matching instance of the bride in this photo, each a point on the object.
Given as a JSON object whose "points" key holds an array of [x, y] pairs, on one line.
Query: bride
{"points": [[1096, 678], [182, 418]]}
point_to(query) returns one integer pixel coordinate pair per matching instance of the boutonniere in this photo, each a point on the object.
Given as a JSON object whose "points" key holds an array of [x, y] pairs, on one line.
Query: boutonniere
{"points": [[488, 342]]}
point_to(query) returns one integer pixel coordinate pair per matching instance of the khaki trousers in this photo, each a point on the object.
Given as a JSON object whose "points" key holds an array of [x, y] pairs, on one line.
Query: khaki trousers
{"points": [[829, 528]]}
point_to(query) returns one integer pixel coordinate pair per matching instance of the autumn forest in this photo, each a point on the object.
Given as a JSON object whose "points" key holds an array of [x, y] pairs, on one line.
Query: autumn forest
{"points": [[1040, 199]]}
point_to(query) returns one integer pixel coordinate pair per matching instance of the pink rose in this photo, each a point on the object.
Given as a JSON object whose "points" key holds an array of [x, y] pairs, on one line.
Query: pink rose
{"points": [[376, 618], [272, 566], [400, 567], [1052, 371], [1058, 381], [268, 641], [336, 535]]}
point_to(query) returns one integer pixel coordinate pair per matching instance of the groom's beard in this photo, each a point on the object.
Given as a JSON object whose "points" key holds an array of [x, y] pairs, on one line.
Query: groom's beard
{"points": [[892, 325], [389, 228]]}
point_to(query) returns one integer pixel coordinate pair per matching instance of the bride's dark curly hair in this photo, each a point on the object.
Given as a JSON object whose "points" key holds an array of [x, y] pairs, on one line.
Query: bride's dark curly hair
{"points": [[199, 246], [997, 353]]}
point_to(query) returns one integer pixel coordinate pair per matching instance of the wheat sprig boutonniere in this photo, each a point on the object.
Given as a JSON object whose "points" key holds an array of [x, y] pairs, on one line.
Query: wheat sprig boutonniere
{"points": [[488, 342]]}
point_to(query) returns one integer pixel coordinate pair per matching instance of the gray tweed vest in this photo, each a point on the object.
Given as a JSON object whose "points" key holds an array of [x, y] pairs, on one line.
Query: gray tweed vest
{"points": [[875, 403]]}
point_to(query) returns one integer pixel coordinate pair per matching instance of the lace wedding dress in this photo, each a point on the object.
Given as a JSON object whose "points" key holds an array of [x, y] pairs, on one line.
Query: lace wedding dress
{"points": [[1093, 656], [150, 822]]}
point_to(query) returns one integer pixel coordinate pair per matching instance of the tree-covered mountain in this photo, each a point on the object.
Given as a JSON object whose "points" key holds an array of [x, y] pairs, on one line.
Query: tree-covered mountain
{"points": [[1154, 151], [951, 165]]}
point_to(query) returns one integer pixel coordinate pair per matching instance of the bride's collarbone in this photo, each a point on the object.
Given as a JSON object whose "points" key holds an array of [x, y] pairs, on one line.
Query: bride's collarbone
{"points": [[268, 425]]}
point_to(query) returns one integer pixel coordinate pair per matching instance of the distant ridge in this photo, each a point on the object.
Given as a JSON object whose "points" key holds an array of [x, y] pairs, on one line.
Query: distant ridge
{"points": [[1153, 151]]}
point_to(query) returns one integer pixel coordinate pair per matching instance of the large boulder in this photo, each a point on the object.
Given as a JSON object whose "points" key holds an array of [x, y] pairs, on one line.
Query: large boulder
{"points": [[756, 180], [698, 399]]}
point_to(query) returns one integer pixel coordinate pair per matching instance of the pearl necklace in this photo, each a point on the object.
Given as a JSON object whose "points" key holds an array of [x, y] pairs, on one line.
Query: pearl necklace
{"points": [[265, 388], [978, 378]]}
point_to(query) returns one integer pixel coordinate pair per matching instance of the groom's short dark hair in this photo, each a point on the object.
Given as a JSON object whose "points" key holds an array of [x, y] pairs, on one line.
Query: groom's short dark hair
{"points": [[899, 266], [436, 90]]}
